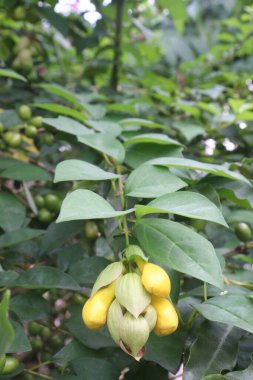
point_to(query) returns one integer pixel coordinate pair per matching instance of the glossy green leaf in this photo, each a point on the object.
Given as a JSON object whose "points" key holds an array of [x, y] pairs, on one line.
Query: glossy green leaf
{"points": [[61, 110], [241, 375], [108, 275], [94, 368], [85, 204], [68, 125], [86, 271], [232, 309], [138, 154], [215, 349], [62, 92], [180, 248], [45, 277], [141, 123], [25, 172], [151, 181], [12, 74], [104, 143], [217, 170], [91, 339], [185, 203], [156, 138], [20, 343], [188, 130], [166, 351], [105, 126], [15, 237], [6, 329], [30, 306], [178, 12], [74, 170], [71, 351], [12, 212]]}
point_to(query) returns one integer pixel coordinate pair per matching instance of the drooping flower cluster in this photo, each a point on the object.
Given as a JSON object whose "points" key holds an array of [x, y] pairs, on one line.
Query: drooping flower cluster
{"points": [[133, 299]]}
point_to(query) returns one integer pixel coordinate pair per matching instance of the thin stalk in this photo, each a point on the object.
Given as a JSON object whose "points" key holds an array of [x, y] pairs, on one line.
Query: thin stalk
{"points": [[38, 374], [205, 291]]}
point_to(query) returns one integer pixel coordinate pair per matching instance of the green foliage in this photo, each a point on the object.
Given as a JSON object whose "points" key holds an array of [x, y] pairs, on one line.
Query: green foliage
{"points": [[164, 164]]}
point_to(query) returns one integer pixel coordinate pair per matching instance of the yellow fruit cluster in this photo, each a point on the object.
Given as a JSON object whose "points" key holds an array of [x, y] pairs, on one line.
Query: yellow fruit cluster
{"points": [[134, 303]]}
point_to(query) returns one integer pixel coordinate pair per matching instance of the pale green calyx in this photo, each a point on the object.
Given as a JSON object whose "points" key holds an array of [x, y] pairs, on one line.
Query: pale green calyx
{"points": [[133, 251], [114, 317], [108, 275], [150, 316], [134, 333], [131, 294]]}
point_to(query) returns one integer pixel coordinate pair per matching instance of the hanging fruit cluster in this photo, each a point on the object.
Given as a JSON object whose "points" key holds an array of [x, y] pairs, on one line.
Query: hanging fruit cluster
{"points": [[132, 297]]}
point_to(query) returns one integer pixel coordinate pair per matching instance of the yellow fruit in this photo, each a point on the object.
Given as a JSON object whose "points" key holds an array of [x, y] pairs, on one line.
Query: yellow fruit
{"points": [[140, 263], [155, 280], [167, 319], [96, 308]]}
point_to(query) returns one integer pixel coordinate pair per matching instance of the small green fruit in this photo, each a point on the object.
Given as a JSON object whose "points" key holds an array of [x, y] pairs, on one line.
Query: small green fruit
{"points": [[56, 342], [2, 363], [52, 202], [243, 231], [45, 332], [37, 344], [91, 230], [44, 216], [34, 328], [25, 112], [31, 131], [13, 139], [11, 364], [39, 201], [47, 138], [37, 122]]}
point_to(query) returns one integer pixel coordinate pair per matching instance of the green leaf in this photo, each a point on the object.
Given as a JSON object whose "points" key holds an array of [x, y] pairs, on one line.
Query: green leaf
{"points": [[178, 12], [61, 110], [156, 138], [68, 125], [214, 377], [166, 351], [105, 126], [188, 130], [138, 154], [180, 248], [86, 271], [185, 203], [6, 329], [151, 181], [61, 92], [71, 351], [94, 368], [73, 170], [57, 234], [45, 277], [30, 306], [141, 123], [232, 309], [25, 172], [84, 204], [21, 343], [11, 74], [104, 143], [217, 170], [108, 275], [15, 237], [12, 213], [215, 349], [91, 339], [241, 375]]}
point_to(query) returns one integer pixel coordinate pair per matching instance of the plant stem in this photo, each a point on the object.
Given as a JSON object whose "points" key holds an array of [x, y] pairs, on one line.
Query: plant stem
{"points": [[38, 374], [123, 204], [117, 45], [40, 365], [205, 291]]}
